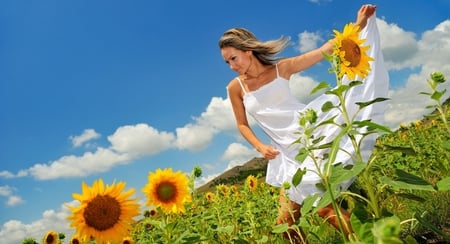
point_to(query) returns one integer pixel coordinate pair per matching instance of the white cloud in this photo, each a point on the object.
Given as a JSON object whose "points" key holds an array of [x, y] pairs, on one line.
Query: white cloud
{"points": [[139, 140], [432, 52], [308, 41], [8, 175], [194, 137], [5, 190], [78, 166], [11, 198], [238, 154], [217, 117], [301, 87], [14, 201], [218, 114], [87, 135], [400, 47], [14, 231]]}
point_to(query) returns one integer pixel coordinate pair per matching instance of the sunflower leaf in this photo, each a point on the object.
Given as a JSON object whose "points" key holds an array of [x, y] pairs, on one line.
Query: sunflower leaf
{"points": [[376, 100], [298, 176], [327, 106], [322, 85]]}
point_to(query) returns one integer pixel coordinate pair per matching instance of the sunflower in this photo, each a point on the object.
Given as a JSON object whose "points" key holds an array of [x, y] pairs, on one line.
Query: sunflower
{"points": [[352, 55], [127, 240], [251, 182], [50, 237], [223, 190], [234, 189], [209, 196], [105, 213], [168, 190], [75, 240]]}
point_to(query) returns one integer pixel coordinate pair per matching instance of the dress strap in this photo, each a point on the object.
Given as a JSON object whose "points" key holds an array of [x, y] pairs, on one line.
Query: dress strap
{"points": [[276, 67], [242, 85]]}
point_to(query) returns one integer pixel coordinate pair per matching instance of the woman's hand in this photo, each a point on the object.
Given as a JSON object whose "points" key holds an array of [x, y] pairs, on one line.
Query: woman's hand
{"points": [[268, 152], [364, 13]]}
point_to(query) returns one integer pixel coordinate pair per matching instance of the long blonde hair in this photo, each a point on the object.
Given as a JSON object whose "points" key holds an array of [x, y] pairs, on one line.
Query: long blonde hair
{"points": [[243, 39]]}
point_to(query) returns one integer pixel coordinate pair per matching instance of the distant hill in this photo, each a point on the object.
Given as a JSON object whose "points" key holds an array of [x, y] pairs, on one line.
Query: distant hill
{"points": [[236, 175]]}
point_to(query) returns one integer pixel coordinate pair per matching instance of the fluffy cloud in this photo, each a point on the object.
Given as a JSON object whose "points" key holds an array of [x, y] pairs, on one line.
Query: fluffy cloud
{"points": [[11, 198], [141, 139], [308, 41], [87, 135], [78, 166], [238, 154], [14, 231], [431, 53]]}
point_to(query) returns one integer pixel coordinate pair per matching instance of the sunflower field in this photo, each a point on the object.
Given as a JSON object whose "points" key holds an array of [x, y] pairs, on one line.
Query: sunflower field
{"points": [[400, 195]]}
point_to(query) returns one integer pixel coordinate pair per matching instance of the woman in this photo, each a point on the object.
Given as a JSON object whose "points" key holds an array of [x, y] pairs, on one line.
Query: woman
{"points": [[262, 90]]}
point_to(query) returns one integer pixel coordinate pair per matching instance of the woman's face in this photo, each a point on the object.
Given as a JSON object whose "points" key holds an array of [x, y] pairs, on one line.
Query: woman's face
{"points": [[238, 60]]}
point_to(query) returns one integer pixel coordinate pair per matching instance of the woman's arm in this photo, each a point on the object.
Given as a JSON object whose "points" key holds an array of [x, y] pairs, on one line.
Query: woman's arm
{"points": [[235, 95], [296, 64]]}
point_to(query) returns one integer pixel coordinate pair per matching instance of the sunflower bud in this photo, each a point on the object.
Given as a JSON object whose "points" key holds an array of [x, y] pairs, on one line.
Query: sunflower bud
{"points": [[438, 77], [197, 171]]}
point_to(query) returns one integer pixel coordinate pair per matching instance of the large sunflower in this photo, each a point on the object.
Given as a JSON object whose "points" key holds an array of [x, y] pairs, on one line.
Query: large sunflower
{"points": [[168, 190], [352, 56], [105, 212]]}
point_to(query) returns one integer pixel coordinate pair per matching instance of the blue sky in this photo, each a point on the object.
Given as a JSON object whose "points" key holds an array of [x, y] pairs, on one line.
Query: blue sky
{"points": [[115, 89]]}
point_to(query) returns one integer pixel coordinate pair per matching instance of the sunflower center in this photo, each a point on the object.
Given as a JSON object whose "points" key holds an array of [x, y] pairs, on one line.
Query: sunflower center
{"points": [[166, 191], [102, 212], [352, 52], [49, 239], [252, 184]]}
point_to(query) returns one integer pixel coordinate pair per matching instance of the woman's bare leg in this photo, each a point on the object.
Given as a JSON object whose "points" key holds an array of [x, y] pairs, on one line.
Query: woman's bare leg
{"points": [[289, 212], [330, 215]]}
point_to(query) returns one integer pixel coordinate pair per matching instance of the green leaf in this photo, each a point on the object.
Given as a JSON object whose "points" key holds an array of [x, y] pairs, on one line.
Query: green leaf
{"points": [[361, 229], [376, 100], [446, 145], [411, 197], [323, 146], [404, 185], [341, 174], [281, 228], [387, 230], [372, 126], [428, 225], [322, 85], [338, 91], [226, 229], [425, 93], [355, 83], [437, 95], [409, 178], [298, 176], [308, 204], [302, 155], [405, 150], [327, 106], [444, 184], [326, 199], [328, 121]]}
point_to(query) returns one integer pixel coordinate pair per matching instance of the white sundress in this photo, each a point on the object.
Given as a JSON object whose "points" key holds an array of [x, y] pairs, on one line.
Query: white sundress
{"points": [[276, 111]]}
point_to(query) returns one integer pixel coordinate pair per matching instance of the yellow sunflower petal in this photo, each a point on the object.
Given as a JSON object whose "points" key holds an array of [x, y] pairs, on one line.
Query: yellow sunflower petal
{"points": [[352, 54], [168, 190], [105, 212]]}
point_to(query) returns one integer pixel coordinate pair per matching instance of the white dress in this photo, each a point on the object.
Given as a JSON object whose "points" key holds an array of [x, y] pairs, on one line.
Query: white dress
{"points": [[276, 111]]}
